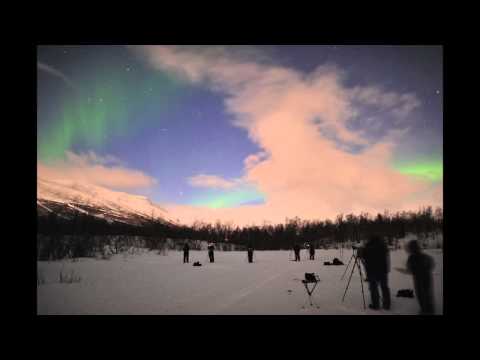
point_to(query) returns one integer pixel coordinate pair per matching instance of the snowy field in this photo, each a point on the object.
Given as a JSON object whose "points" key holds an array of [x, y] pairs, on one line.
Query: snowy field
{"points": [[149, 283]]}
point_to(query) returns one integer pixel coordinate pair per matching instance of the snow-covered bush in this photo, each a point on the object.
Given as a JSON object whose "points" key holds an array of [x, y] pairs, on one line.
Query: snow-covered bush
{"points": [[162, 247], [40, 278], [69, 277], [107, 252], [163, 250]]}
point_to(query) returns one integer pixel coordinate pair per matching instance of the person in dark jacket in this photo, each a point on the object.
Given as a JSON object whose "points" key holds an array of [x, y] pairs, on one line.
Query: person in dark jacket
{"points": [[376, 260], [311, 249], [186, 249], [250, 253], [420, 265], [296, 250], [211, 247]]}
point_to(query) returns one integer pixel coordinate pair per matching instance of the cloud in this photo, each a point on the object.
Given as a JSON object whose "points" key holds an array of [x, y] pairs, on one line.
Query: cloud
{"points": [[213, 181], [92, 169], [302, 122], [253, 159], [91, 158], [399, 106], [52, 71], [376, 96]]}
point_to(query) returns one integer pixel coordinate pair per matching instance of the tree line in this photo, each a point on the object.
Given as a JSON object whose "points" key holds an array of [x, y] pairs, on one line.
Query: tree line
{"points": [[345, 228], [84, 235]]}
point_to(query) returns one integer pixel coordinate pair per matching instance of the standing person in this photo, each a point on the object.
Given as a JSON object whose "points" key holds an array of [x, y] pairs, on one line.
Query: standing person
{"points": [[296, 250], [250, 253], [420, 265], [312, 252], [376, 260], [211, 247], [186, 249]]}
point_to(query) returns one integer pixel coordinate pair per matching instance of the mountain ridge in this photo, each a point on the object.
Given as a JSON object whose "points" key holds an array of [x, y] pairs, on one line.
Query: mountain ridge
{"points": [[65, 197]]}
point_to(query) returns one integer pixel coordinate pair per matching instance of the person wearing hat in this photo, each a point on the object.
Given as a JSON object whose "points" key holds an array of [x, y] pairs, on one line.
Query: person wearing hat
{"points": [[186, 249], [376, 260], [211, 247], [296, 250], [250, 253], [311, 249], [420, 265]]}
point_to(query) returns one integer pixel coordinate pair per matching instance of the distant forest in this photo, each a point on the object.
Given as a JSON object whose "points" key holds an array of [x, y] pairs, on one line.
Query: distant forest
{"points": [[78, 236]]}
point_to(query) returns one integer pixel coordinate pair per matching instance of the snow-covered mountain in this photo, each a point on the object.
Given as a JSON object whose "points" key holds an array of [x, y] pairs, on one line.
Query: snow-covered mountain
{"points": [[66, 197]]}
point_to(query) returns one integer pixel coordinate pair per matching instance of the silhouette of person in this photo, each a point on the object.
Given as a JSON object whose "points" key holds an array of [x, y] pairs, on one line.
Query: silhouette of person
{"points": [[186, 249], [420, 265], [250, 253], [211, 247], [376, 260], [296, 250], [312, 252]]}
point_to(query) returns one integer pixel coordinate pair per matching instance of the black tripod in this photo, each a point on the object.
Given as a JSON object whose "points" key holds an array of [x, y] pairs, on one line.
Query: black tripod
{"points": [[356, 263], [354, 255], [310, 291]]}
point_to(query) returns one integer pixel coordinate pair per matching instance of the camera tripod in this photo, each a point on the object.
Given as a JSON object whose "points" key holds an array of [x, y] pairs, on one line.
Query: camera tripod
{"points": [[310, 291], [354, 255], [356, 264]]}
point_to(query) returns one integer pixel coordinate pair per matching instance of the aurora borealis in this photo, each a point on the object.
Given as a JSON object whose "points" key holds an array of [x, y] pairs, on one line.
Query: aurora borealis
{"points": [[430, 170], [100, 111], [268, 131], [218, 199]]}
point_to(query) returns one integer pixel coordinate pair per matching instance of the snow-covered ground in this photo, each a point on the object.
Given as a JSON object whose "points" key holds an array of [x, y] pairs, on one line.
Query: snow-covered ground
{"points": [[157, 284]]}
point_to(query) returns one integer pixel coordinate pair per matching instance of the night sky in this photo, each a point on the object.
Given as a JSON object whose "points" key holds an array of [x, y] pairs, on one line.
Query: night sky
{"points": [[247, 133]]}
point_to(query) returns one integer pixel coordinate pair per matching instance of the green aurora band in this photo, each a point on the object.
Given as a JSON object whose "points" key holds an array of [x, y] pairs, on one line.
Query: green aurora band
{"points": [[92, 116], [430, 169], [229, 199]]}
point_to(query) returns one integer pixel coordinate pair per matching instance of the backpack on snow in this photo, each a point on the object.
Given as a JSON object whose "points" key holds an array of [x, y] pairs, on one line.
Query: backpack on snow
{"points": [[336, 261], [405, 293]]}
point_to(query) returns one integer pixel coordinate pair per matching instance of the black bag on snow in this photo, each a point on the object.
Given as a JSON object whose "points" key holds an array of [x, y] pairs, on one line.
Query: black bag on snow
{"points": [[336, 261], [405, 293]]}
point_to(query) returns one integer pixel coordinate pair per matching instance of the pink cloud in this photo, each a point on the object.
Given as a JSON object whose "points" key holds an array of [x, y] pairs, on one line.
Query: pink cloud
{"points": [[305, 174], [253, 159], [90, 168], [212, 181]]}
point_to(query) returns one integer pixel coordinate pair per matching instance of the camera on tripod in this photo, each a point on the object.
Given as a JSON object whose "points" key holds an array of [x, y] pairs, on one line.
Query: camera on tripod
{"points": [[358, 250], [357, 255], [311, 277]]}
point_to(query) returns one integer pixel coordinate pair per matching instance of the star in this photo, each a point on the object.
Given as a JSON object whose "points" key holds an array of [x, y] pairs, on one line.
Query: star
{"points": [[128, 68], [101, 100], [438, 92]]}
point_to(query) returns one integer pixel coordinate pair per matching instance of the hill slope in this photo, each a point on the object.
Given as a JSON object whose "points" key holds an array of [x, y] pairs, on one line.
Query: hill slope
{"points": [[66, 197]]}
